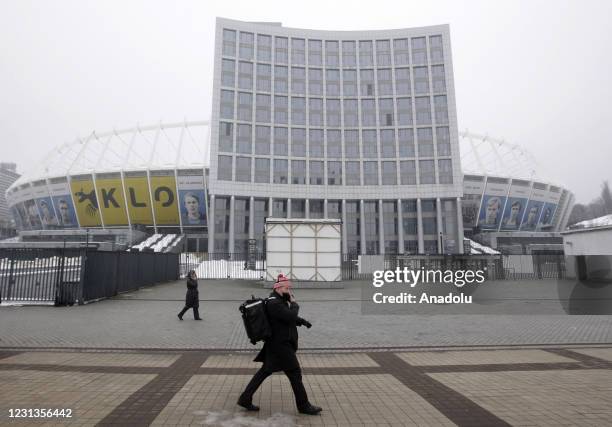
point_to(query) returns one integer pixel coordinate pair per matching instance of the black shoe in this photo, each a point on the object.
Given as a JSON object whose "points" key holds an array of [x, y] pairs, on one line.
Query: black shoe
{"points": [[248, 406], [179, 316], [198, 318], [310, 410]]}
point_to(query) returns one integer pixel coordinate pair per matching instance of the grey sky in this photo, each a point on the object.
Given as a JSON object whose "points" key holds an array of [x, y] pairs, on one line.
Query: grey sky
{"points": [[536, 73]]}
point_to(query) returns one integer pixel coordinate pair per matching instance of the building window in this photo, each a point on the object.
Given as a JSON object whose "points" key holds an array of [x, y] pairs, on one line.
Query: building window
{"points": [[243, 169], [264, 77], [243, 139], [334, 143], [405, 139], [370, 173], [316, 209], [436, 49], [334, 209], [383, 52], [332, 53], [246, 45], [264, 48], [349, 54], [316, 143], [366, 58], [281, 113], [298, 111], [226, 137], [441, 108], [445, 171], [351, 144], [427, 174], [371, 220], [389, 173], [315, 81], [281, 50], [387, 143], [334, 173], [298, 80], [421, 80], [349, 83], [279, 208], [298, 208], [401, 52], [404, 111], [385, 111], [410, 226], [443, 141], [280, 79], [298, 51], [369, 143], [245, 106], [227, 104], [227, 74], [385, 84], [428, 205], [425, 142], [423, 110], [316, 173], [298, 142], [419, 51], [402, 81], [229, 42], [367, 82], [263, 105], [351, 113], [333, 112], [429, 226], [332, 84], [262, 140], [315, 112], [438, 79], [224, 168], [407, 172], [390, 218], [281, 138], [353, 173], [280, 171], [245, 75], [353, 226], [315, 52], [368, 112], [298, 171]]}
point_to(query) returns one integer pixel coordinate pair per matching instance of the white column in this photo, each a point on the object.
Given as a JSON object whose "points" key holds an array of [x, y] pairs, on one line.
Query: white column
{"points": [[230, 246], [459, 227], [362, 227], [400, 228], [344, 228], [421, 242], [325, 214], [271, 207], [306, 208], [381, 228], [288, 208], [211, 224], [439, 226], [252, 217]]}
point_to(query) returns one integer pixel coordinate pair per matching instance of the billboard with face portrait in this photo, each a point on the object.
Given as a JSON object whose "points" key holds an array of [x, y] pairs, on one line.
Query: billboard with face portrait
{"points": [[62, 203], [32, 214], [548, 213], [532, 215], [513, 213], [192, 200], [47, 213], [491, 212], [85, 201]]}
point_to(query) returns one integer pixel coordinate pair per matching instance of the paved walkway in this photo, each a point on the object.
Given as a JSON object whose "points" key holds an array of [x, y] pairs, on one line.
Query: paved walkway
{"points": [[554, 386]]}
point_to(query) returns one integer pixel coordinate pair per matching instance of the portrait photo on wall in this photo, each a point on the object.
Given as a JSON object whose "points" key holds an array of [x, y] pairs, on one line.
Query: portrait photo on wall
{"points": [[47, 214], [548, 213], [513, 213], [532, 215], [64, 210], [491, 212], [32, 214], [193, 207]]}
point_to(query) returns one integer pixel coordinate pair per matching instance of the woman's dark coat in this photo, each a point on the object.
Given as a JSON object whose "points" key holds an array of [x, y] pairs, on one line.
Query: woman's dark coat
{"points": [[193, 298], [278, 352]]}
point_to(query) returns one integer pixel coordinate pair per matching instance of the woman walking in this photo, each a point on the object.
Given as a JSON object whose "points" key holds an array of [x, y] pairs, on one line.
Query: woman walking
{"points": [[192, 299]]}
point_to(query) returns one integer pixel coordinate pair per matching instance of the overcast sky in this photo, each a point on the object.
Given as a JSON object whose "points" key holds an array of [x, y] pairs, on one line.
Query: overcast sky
{"points": [[536, 73]]}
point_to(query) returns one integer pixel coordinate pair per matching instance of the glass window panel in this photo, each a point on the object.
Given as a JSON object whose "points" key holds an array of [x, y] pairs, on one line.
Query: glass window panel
{"points": [[246, 45], [229, 42], [315, 81], [404, 111], [385, 111], [402, 81], [334, 173], [421, 80], [349, 54], [315, 111], [245, 106], [224, 168], [385, 84], [353, 173], [441, 108], [419, 51], [281, 50], [427, 173], [298, 111], [405, 142], [264, 47], [438, 78], [443, 141], [387, 143], [226, 137], [369, 143], [316, 143], [445, 171], [263, 105], [281, 113], [332, 53], [243, 139], [351, 144], [262, 140], [228, 72], [383, 52], [349, 82], [367, 82], [262, 170], [298, 51], [298, 142], [334, 143], [315, 52], [366, 57], [425, 142], [368, 112], [280, 171], [370, 173], [401, 52], [298, 171], [245, 75], [351, 113], [280, 79], [408, 173], [227, 104], [243, 169], [281, 138], [332, 86], [436, 49], [264, 77], [298, 80], [317, 173], [423, 110], [389, 173], [333, 112]]}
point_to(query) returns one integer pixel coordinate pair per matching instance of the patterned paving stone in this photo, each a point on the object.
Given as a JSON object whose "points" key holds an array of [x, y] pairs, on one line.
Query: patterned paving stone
{"points": [[542, 398], [355, 360], [92, 359], [90, 396], [432, 358]]}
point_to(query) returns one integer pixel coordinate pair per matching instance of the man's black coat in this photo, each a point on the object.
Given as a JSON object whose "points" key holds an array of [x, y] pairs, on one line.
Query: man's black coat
{"points": [[192, 299], [278, 352]]}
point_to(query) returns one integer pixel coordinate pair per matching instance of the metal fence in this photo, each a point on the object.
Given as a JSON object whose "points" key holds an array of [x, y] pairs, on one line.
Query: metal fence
{"points": [[224, 265], [76, 276]]}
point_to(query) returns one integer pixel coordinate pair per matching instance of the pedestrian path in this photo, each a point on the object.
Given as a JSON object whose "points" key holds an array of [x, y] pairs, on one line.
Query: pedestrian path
{"points": [[528, 385]]}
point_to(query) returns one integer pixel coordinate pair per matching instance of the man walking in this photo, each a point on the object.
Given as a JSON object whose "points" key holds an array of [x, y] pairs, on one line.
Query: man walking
{"points": [[278, 352]]}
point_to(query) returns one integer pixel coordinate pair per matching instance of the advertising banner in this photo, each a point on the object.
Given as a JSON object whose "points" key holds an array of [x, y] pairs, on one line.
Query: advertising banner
{"points": [[112, 201], [32, 214], [532, 215], [63, 205], [138, 200], [47, 213], [491, 211], [548, 213], [469, 209], [165, 205], [513, 213], [85, 201], [192, 199]]}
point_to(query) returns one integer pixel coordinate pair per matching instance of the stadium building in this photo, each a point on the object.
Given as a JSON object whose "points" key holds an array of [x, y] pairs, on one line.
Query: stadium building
{"points": [[359, 126]]}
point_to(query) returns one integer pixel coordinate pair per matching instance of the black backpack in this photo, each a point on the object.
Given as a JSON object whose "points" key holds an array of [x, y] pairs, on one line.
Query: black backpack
{"points": [[255, 319]]}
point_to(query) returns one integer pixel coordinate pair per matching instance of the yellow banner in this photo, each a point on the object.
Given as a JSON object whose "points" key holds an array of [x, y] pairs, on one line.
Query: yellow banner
{"points": [[165, 204], [86, 203], [138, 200], [111, 201]]}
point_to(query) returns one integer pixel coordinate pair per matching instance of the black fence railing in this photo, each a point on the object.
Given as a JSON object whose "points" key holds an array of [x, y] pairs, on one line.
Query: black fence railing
{"points": [[76, 276], [224, 265]]}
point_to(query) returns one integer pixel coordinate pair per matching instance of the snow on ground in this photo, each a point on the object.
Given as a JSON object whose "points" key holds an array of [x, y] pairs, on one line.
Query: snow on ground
{"points": [[602, 221]]}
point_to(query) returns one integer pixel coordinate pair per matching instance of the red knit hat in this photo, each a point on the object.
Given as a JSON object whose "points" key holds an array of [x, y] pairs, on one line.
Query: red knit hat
{"points": [[282, 280]]}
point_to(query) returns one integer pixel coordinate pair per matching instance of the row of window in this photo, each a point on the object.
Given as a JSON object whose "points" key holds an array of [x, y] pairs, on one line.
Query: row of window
{"points": [[354, 171], [335, 82], [391, 111], [300, 142], [298, 51]]}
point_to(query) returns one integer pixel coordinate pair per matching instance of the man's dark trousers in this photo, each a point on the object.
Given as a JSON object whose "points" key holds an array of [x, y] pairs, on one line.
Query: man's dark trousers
{"points": [[295, 378]]}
